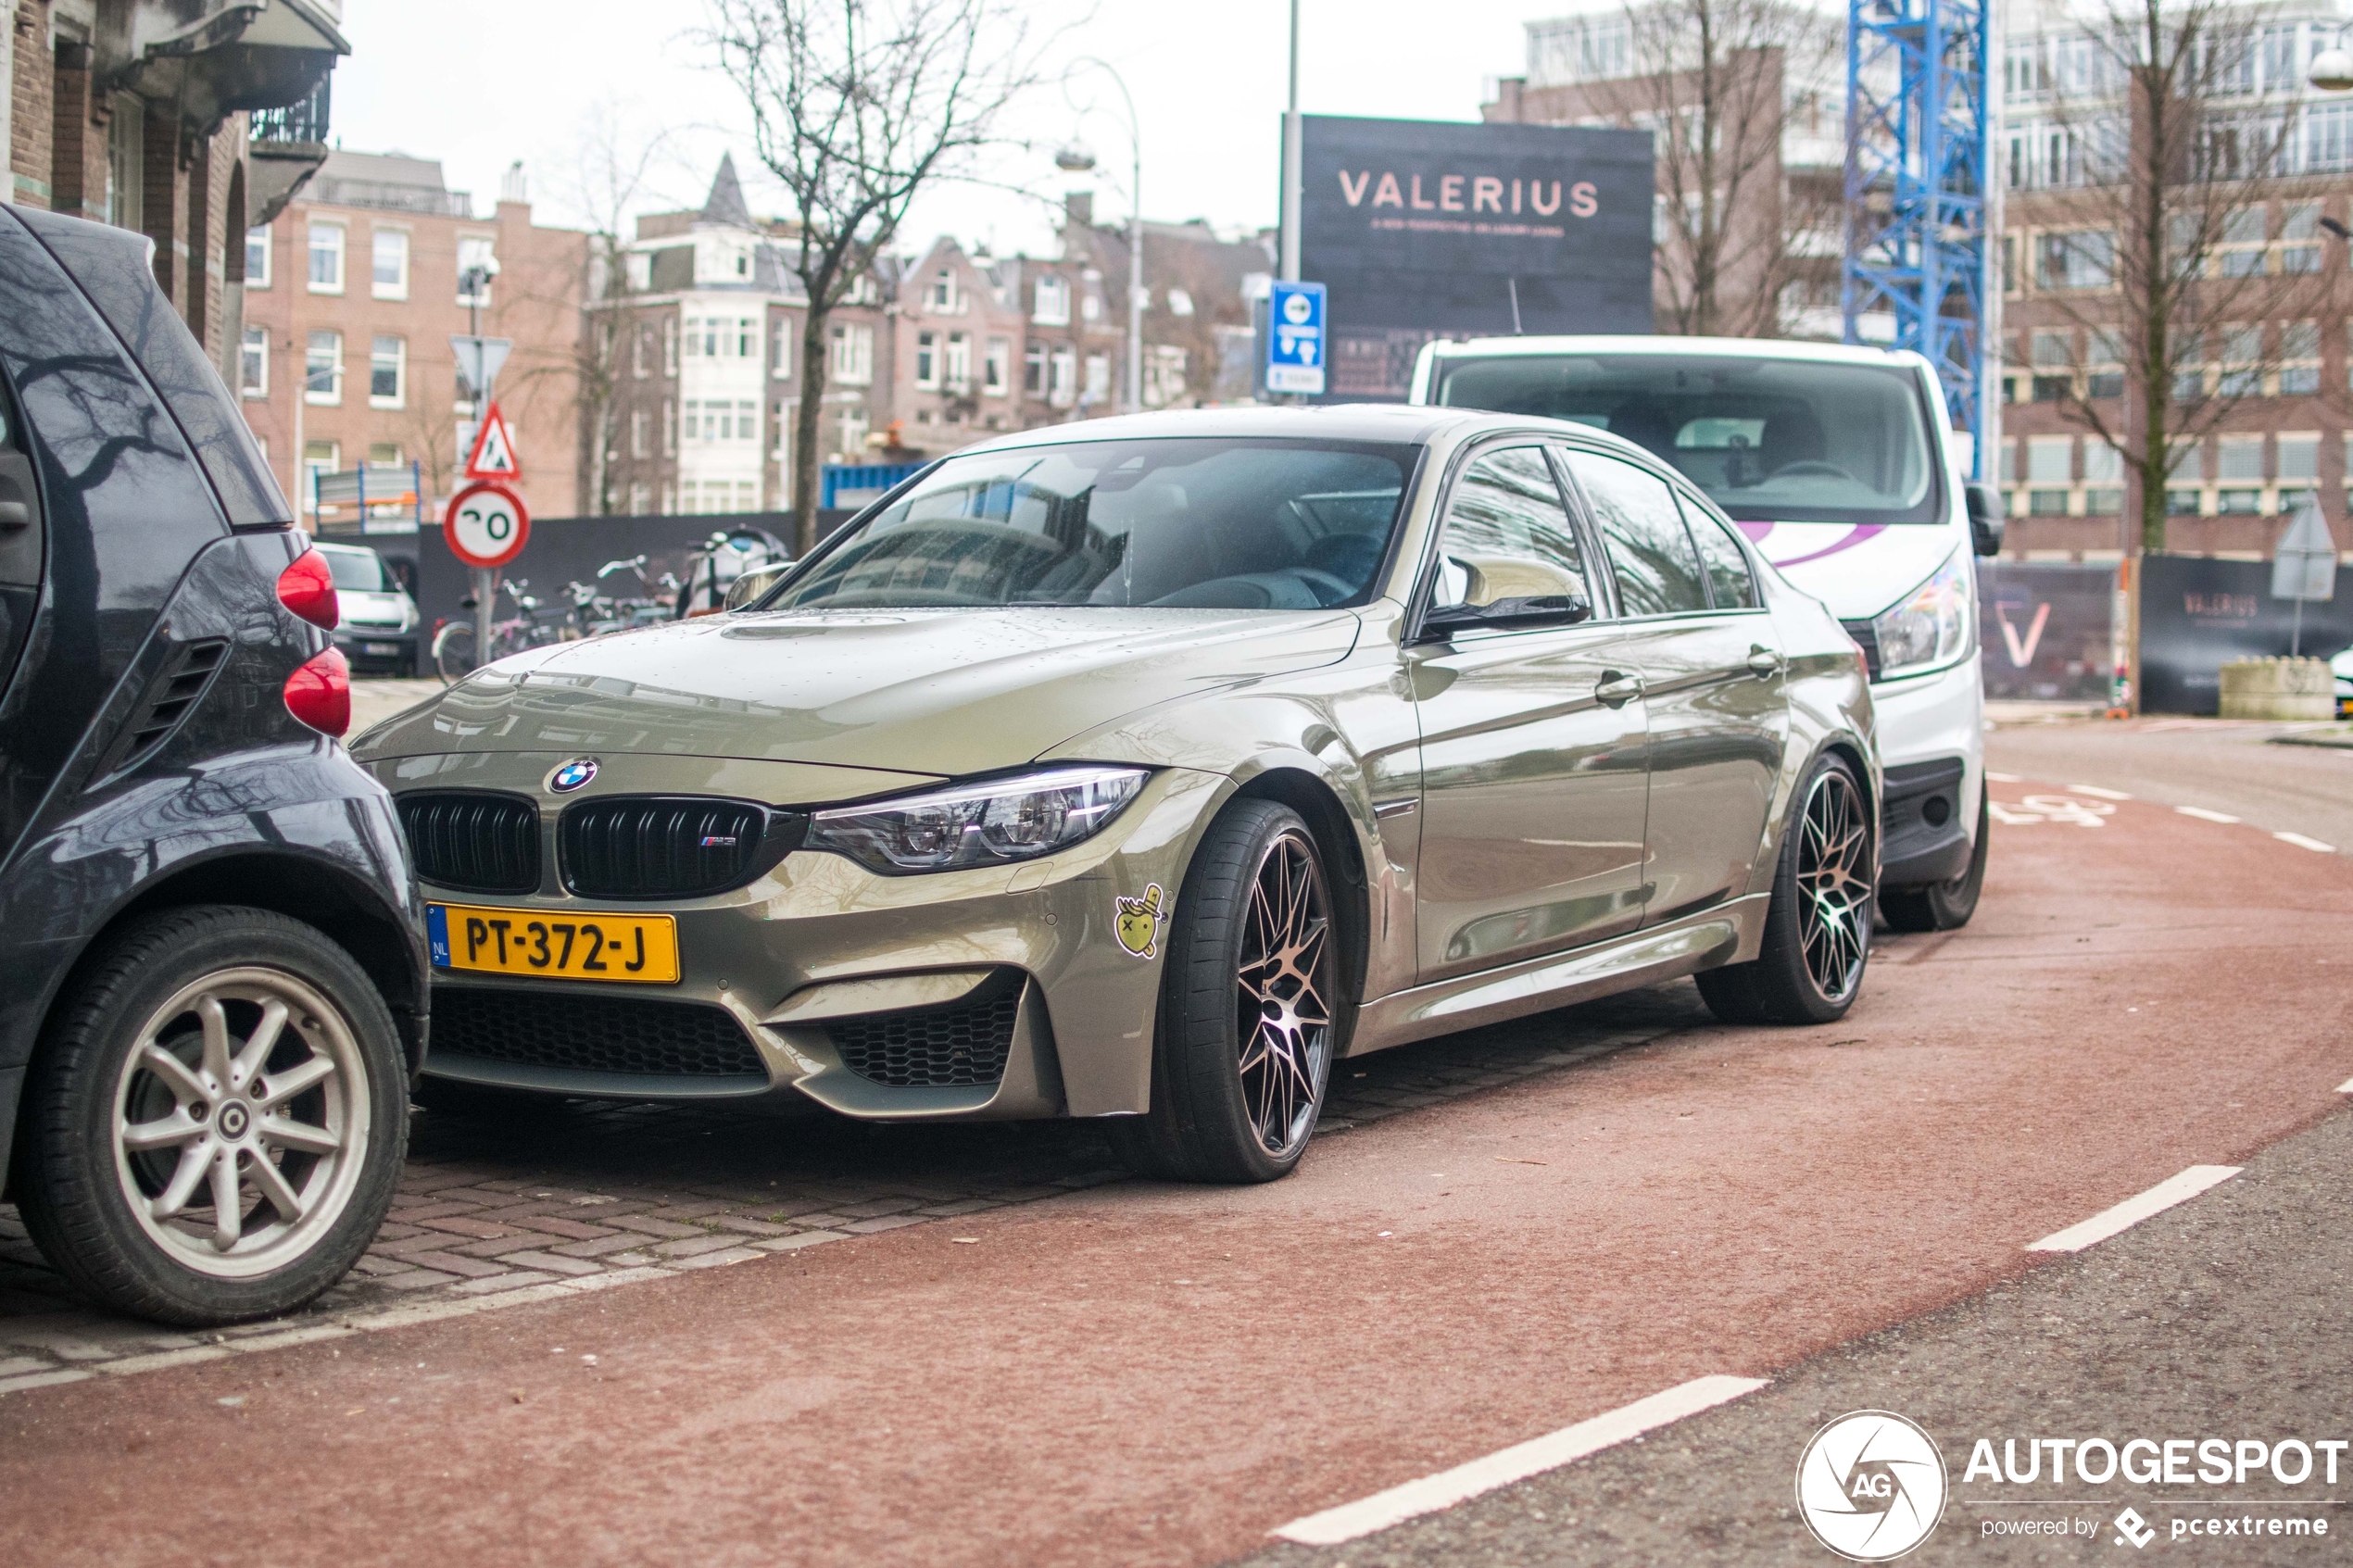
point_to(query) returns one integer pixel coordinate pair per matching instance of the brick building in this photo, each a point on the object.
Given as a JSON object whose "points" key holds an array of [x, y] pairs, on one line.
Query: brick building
{"points": [[352, 296], [181, 119]]}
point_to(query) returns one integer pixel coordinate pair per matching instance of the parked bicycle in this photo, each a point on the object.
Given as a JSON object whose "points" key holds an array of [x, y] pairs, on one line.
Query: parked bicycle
{"points": [[454, 655]]}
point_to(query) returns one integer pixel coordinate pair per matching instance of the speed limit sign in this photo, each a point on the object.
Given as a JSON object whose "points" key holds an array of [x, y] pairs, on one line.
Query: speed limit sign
{"points": [[486, 525]]}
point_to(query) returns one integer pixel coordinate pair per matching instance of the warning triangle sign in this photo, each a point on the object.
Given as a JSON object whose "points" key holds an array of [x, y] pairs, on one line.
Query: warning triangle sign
{"points": [[494, 454]]}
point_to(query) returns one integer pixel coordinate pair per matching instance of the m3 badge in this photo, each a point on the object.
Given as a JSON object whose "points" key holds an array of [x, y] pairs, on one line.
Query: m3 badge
{"points": [[1138, 926]]}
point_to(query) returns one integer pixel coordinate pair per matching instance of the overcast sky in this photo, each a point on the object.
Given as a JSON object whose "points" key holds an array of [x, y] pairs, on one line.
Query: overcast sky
{"points": [[479, 83]]}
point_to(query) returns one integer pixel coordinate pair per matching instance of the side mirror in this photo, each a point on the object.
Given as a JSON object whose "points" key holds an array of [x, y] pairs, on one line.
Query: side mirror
{"points": [[1555, 609], [1986, 519], [754, 583]]}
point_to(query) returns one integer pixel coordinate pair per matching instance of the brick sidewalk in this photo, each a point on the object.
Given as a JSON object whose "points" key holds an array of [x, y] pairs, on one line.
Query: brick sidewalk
{"points": [[527, 1203]]}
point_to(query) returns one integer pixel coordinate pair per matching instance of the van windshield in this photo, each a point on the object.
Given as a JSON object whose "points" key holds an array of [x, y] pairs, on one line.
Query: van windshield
{"points": [[1769, 440], [362, 572]]}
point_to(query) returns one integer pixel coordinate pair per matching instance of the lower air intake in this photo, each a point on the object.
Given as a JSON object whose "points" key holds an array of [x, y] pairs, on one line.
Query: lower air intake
{"points": [[602, 1034], [961, 1045]]}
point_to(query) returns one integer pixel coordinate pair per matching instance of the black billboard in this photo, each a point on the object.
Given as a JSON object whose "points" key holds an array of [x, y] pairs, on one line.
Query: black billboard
{"points": [[2198, 614], [1427, 229], [2048, 630]]}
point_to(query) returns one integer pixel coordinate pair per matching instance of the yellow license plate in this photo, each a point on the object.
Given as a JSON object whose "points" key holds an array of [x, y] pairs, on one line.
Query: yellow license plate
{"points": [[600, 945]]}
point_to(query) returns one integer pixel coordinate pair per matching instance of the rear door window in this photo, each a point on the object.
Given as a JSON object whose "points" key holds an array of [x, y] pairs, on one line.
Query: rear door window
{"points": [[1651, 555], [1730, 585]]}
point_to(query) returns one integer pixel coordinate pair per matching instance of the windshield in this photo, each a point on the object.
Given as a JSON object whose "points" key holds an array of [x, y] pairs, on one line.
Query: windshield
{"points": [[1769, 440], [362, 572], [1188, 523]]}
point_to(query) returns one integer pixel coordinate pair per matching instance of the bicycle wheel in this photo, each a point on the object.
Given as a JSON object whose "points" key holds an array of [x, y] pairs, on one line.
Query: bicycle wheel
{"points": [[453, 651]]}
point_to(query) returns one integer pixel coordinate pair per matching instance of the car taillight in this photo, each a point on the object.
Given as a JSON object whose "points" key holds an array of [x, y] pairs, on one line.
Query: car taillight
{"points": [[318, 693], [307, 588]]}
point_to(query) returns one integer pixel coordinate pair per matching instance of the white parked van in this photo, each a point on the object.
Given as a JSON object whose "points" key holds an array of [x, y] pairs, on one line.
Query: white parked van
{"points": [[1835, 462]]}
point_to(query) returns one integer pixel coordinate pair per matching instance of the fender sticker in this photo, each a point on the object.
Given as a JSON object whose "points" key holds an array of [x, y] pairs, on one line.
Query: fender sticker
{"points": [[1137, 926]]}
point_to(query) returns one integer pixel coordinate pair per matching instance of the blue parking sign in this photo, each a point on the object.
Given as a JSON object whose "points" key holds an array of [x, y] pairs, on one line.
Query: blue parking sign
{"points": [[1296, 339]]}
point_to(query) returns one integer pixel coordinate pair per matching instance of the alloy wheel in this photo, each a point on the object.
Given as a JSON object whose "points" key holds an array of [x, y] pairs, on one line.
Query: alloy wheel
{"points": [[241, 1120], [1834, 885], [1283, 988]]}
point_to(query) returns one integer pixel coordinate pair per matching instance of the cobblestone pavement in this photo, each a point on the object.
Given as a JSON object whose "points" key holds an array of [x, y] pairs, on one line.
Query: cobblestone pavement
{"points": [[510, 1202]]}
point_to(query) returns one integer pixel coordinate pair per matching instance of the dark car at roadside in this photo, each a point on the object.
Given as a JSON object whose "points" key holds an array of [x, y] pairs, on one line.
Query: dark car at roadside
{"points": [[212, 991]]}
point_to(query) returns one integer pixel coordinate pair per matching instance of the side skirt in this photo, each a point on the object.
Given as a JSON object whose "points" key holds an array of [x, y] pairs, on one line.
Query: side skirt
{"points": [[1730, 933]]}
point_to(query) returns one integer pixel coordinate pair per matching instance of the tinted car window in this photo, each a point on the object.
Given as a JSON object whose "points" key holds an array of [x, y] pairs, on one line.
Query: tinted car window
{"points": [[1181, 522], [1651, 556], [1507, 535], [1728, 583], [112, 268]]}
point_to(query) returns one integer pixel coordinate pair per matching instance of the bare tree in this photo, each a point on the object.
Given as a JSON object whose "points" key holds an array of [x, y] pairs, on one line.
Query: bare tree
{"points": [[2166, 150], [857, 107]]}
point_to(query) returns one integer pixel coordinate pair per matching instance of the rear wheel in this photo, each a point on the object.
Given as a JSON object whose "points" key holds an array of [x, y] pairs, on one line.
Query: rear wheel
{"points": [[1249, 995], [216, 1120], [1817, 928], [1944, 905]]}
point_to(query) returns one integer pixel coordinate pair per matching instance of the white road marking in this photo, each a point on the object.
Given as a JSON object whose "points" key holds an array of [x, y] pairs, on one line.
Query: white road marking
{"points": [[2133, 1211], [2303, 843], [2203, 815], [2004, 778], [2097, 791], [2345, 1087], [1534, 1457]]}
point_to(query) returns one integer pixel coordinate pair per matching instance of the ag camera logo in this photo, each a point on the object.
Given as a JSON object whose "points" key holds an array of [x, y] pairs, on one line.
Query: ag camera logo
{"points": [[1870, 1486]]}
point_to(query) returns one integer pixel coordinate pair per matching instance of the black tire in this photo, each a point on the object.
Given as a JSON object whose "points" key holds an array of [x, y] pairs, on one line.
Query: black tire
{"points": [[1208, 1103], [1944, 905], [1781, 983], [77, 1167]]}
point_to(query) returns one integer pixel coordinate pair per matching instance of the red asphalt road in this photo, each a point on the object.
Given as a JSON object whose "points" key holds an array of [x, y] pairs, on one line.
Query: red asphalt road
{"points": [[1153, 1374]]}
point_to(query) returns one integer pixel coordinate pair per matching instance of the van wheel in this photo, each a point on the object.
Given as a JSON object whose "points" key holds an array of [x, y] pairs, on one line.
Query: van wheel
{"points": [[1817, 928], [1249, 996], [216, 1120], [1944, 905]]}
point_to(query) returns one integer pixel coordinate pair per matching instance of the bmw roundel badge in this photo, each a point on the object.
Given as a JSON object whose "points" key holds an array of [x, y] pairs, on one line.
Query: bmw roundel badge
{"points": [[572, 775]]}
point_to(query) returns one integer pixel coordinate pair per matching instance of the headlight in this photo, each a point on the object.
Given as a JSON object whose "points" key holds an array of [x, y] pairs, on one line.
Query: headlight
{"points": [[984, 824], [1930, 626]]}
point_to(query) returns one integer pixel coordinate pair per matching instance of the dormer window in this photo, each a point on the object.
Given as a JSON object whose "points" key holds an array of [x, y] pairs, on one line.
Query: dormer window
{"points": [[943, 293]]}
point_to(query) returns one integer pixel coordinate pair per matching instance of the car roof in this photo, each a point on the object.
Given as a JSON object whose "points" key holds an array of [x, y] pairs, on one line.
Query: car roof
{"points": [[1327, 421], [1672, 346]]}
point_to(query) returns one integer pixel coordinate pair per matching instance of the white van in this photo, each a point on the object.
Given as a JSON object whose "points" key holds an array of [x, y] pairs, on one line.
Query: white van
{"points": [[1834, 461]]}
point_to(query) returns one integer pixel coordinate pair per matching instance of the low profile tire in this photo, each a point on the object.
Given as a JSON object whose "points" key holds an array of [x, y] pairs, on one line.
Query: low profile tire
{"points": [[1250, 1008], [215, 1119], [1818, 929], [1944, 905]]}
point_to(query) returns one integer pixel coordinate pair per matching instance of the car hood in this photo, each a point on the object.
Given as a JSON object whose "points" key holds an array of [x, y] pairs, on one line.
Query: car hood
{"points": [[1856, 569], [936, 692]]}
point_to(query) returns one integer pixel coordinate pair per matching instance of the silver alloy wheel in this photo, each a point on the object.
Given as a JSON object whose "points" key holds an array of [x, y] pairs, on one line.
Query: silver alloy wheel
{"points": [[241, 1120], [1834, 885], [1282, 995]]}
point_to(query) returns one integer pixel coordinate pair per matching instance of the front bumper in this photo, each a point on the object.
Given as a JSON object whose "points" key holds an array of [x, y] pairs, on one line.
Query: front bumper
{"points": [[1932, 743], [826, 969]]}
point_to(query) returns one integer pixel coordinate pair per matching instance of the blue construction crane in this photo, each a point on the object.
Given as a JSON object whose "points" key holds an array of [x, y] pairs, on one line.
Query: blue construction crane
{"points": [[1917, 162]]}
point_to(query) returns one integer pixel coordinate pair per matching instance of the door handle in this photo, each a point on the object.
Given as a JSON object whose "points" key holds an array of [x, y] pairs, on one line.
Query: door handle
{"points": [[1763, 662], [15, 515], [1617, 690]]}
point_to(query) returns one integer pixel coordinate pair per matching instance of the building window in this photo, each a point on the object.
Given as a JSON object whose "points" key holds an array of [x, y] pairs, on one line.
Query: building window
{"points": [[956, 370], [640, 434], [385, 455], [854, 435], [2239, 457], [669, 499], [641, 354], [694, 337], [747, 337], [2105, 364], [715, 338], [476, 252], [1061, 388], [2242, 362], [253, 362], [926, 360], [326, 259], [1054, 302], [669, 432], [996, 367], [1033, 370], [2083, 259], [1091, 305], [780, 348], [2241, 252], [1163, 375], [391, 264], [641, 499], [941, 299], [2300, 238], [1098, 377], [257, 258], [690, 426], [387, 372], [2298, 455], [2046, 503], [747, 421], [318, 457], [126, 163], [2050, 459], [853, 353], [2300, 358], [322, 369], [670, 346]]}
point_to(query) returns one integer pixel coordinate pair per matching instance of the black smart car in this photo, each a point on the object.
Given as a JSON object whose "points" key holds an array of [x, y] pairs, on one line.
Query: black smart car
{"points": [[212, 965]]}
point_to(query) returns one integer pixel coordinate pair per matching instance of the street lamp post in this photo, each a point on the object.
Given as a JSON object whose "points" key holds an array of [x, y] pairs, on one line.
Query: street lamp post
{"points": [[1077, 159]]}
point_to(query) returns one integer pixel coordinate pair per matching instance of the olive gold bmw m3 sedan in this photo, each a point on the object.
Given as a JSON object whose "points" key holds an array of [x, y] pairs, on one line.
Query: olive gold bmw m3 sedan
{"points": [[1140, 769]]}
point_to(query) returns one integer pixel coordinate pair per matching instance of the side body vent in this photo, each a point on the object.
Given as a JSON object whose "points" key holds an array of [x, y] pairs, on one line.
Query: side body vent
{"points": [[958, 1046], [473, 841], [173, 695], [1865, 633], [671, 846]]}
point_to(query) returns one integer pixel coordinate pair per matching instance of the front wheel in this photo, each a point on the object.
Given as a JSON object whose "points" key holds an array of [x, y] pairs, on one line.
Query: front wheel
{"points": [[1251, 1008], [453, 652], [215, 1124], [1944, 905], [1818, 927]]}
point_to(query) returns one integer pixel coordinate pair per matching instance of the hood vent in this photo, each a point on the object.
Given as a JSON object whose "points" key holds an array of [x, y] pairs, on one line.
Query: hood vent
{"points": [[474, 842]]}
